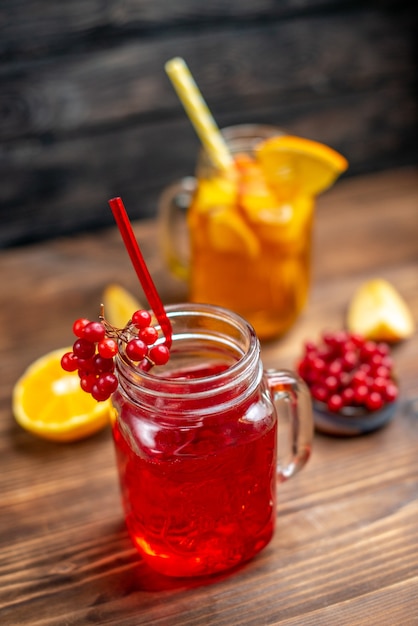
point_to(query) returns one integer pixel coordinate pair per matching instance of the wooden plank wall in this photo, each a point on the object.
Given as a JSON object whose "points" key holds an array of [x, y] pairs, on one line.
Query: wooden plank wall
{"points": [[87, 112]]}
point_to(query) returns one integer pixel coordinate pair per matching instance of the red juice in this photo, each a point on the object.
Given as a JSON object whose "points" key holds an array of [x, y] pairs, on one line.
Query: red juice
{"points": [[198, 497]]}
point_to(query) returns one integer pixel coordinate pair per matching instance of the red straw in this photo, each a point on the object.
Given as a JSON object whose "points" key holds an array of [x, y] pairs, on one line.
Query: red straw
{"points": [[131, 244]]}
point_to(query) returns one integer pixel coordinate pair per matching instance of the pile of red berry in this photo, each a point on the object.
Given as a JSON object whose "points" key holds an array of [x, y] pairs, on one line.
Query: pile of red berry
{"points": [[346, 370], [97, 344]]}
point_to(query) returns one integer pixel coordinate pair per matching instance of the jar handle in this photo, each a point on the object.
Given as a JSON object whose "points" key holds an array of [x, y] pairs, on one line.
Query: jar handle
{"points": [[292, 400], [172, 225]]}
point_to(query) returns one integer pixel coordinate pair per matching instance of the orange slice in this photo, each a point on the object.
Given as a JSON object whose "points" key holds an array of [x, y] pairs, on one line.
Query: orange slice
{"points": [[228, 232], [377, 311], [215, 192], [119, 305], [50, 403], [294, 165], [253, 192], [284, 224]]}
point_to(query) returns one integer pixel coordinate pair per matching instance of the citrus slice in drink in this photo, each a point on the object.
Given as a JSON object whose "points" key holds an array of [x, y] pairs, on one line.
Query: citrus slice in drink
{"points": [[294, 165], [285, 224], [119, 305], [228, 232], [215, 192], [253, 192], [50, 403]]}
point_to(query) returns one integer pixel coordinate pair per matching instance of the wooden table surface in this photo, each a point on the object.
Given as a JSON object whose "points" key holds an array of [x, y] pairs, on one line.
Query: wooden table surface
{"points": [[345, 551]]}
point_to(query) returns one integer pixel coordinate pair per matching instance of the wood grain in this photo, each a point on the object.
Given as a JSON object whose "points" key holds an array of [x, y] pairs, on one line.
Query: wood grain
{"points": [[346, 547]]}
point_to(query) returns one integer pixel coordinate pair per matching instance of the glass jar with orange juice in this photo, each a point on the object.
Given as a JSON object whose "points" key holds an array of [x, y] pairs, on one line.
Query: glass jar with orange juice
{"points": [[250, 225]]}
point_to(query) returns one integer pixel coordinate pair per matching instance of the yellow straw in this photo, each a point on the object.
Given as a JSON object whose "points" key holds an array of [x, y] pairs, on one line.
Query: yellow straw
{"points": [[198, 113]]}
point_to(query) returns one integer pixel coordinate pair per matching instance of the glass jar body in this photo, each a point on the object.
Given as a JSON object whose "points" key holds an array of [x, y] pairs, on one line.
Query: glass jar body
{"points": [[239, 227], [196, 446]]}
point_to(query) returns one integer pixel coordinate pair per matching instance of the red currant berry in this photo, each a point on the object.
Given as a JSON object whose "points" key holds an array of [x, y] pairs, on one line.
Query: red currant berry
{"points": [[349, 360], [319, 392], [159, 354], [107, 383], [382, 372], [78, 326], [331, 383], [387, 361], [374, 401], [325, 353], [85, 366], [369, 381], [87, 382], [335, 403], [144, 365], [107, 348], [141, 318], [379, 384], [136, 349], [368, 349], [102, 365], [348, 346], [383, 349], [328, 338], [309, 347], [69, 362], [83, 349], [375, 361], [358, 378], [302, 368], [335, 367], [361, 392], [347, 395], [149, 335], [94, 332], [341, 337], [358, 340], [318, 365], [98, 395], [391, 392], [344, 379]]}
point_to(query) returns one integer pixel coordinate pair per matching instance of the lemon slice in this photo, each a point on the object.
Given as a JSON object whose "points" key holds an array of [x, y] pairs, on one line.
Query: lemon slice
{"points": [[215, 192], [294, 165], [119, 305], [51, 404], [254, 193], [377, 311], [228, 232], [285, 224]]}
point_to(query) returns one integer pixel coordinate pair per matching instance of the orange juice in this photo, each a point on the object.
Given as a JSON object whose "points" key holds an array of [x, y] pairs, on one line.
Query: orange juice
{"points": [[250, 245], [249, 225]]}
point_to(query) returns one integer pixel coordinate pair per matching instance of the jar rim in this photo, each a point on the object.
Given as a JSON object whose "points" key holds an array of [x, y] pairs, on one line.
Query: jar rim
{"points": [[252, 130], [249, 349], [240, 138]]}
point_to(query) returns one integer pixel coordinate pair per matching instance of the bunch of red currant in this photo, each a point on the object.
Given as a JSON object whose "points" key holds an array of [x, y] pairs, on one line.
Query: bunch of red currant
{"points": [[346, 370], [97, 344]]}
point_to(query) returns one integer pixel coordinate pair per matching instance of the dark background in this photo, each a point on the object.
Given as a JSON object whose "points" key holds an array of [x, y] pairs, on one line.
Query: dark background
{"points": [[87, 112]]}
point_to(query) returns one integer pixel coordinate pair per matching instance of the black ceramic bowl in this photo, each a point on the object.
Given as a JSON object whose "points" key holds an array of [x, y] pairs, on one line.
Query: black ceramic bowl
{"points": [[351, 421]]}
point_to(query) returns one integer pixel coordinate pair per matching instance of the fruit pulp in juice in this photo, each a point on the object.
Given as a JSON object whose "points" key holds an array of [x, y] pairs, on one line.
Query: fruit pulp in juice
{"points": [[198, 500], [251, 247]]}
